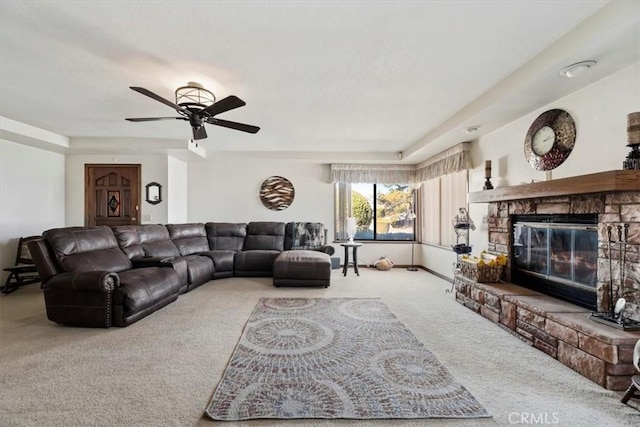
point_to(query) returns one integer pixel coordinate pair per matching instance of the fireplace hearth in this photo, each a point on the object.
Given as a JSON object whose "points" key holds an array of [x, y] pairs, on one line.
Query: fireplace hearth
{"points": [[615, 321]]}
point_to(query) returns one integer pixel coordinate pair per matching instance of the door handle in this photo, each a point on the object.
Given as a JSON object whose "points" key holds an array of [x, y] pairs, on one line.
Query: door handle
{"points": [[133, 219]]}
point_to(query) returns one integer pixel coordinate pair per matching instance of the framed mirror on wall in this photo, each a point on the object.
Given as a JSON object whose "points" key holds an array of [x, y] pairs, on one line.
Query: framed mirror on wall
{"points": [[154, 193]]}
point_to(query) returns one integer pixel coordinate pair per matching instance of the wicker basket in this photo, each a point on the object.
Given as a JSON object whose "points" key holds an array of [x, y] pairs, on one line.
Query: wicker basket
{"points": [[482, 273]]}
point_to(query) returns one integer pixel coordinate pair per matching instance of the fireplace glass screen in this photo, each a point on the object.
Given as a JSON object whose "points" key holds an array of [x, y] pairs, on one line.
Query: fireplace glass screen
{"points": [[565, 253]]}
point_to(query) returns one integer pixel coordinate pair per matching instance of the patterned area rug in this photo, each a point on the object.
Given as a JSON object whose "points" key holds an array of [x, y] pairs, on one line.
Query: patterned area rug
{"points": [[334, 358]]}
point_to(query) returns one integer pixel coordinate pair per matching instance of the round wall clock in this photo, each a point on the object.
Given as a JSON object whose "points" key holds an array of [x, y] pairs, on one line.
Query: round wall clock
{"points": [[550, 139], [277, 193]]}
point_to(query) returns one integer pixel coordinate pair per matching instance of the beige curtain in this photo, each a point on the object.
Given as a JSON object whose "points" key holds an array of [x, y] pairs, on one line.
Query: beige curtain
{"points": [[430, 218], [441, 199]]}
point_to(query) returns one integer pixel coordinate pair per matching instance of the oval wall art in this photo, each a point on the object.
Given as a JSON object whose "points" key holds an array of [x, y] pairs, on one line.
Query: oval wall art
{"points": [[277, 193]]}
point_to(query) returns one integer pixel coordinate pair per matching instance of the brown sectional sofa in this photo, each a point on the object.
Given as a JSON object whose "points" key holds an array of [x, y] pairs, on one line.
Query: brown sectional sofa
{"points": [[98, 276]]}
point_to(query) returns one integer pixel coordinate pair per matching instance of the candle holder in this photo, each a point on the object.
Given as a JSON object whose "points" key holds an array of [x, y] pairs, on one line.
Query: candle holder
{"points": [[632, 161], [487, 184], [487, 176]]}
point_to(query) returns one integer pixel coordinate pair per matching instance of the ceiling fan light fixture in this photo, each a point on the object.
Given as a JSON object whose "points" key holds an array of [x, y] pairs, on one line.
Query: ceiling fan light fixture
{"points": [[194, 95], [578, 68]]}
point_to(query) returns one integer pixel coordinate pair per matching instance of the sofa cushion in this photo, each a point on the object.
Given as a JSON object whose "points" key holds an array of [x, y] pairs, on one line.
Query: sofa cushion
{"points": [[153, 233], [302, 268], [254, 263], [164, 248], [226, 236], [141, 288], [265, 236], [129, 240], [222, 260], [81, 249], [200, 269], [156, 242], [189, 238]]}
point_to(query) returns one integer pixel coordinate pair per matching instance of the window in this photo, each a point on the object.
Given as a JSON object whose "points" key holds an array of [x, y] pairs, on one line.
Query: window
{"points": [[440, 200], [382, 211]]}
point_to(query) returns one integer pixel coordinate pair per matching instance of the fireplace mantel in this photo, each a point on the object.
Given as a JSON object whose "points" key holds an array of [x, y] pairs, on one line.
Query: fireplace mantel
{"points": [[601, 182]]}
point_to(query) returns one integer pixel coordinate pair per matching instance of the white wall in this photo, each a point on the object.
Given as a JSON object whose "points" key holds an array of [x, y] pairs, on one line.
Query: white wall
{"points": [[600, 113], [227, 190], [154, 168], [175, 194], [32, 195]]}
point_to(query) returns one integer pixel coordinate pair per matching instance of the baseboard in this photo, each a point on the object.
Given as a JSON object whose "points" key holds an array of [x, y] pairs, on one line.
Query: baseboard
{"points": [[428, 270], [435, 273]]}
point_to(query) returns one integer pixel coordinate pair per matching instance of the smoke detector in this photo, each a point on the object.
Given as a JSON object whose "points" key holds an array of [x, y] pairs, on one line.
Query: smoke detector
{"points": [[578, 68]]}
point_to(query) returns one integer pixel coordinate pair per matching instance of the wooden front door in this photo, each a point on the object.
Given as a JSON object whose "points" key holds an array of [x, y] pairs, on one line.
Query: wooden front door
{"points": [[112, 194]]}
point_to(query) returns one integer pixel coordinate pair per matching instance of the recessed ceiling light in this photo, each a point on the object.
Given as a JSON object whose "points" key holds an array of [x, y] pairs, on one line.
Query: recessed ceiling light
{"points": [[471, 129], [577, 68]]}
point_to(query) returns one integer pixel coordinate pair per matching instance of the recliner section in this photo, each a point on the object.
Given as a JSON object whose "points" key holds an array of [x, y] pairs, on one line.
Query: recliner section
{"points": [[191, 241], [263, 244], [225, 241], [90, 281]]}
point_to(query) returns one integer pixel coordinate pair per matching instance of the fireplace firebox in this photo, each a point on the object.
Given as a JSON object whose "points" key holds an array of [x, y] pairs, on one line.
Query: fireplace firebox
{"points": [[557, 255]]}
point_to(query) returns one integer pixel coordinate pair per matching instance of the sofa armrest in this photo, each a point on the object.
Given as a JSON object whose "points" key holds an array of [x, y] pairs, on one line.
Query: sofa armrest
{"points": [[178, 264], [327, 249], [44, 259], [88, 281]]}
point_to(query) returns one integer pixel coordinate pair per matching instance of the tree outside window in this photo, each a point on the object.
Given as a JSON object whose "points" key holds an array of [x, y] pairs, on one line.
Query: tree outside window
{"points": [[382, 211]]}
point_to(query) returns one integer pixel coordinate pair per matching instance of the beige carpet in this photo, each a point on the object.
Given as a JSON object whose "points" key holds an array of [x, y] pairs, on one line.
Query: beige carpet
{"points": [[161, 371]]}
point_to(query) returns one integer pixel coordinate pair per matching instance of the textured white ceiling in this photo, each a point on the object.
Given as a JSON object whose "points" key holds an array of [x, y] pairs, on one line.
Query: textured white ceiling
{"points": [[340, 80]]}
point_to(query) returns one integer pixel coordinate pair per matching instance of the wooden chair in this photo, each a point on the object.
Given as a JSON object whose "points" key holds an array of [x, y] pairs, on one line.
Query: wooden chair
{"points": [[635, 380], [24, 271]]}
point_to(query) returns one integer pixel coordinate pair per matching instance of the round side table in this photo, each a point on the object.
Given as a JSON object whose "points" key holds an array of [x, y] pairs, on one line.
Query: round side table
{"points": [[354, 248]]}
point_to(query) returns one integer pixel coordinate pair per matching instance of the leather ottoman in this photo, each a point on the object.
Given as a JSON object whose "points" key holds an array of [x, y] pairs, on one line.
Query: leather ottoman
{"points": [[302, 268]]}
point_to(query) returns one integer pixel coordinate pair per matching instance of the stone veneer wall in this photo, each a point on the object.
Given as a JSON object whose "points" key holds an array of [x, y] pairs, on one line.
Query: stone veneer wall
{"points": [[612, 209]]}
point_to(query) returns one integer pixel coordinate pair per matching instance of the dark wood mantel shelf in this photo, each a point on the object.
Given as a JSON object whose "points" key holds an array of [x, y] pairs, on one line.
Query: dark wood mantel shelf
{"points": [[601, 182]]}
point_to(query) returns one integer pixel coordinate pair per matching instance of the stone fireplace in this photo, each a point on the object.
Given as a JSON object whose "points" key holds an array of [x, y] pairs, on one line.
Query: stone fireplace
{"points": [[579, 218], [613, 208]]}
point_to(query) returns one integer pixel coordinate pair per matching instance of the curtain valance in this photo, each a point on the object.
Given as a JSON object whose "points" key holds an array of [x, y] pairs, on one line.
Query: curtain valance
{"points": [[372, 174], [454, 159]]}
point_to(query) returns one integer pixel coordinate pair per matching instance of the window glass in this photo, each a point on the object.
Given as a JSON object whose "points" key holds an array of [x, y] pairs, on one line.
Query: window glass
{"points": [[381, 211], [394, 205]]}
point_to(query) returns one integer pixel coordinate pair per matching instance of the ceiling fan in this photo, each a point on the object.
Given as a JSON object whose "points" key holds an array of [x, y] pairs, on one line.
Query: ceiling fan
{"points": [[197, 106]]}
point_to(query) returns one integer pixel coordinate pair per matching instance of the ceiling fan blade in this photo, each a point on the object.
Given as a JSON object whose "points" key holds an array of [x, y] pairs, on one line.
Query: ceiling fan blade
{"points": [[233, 125], [153, 119], [226, 104], [158, 98], [199, 133]]}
